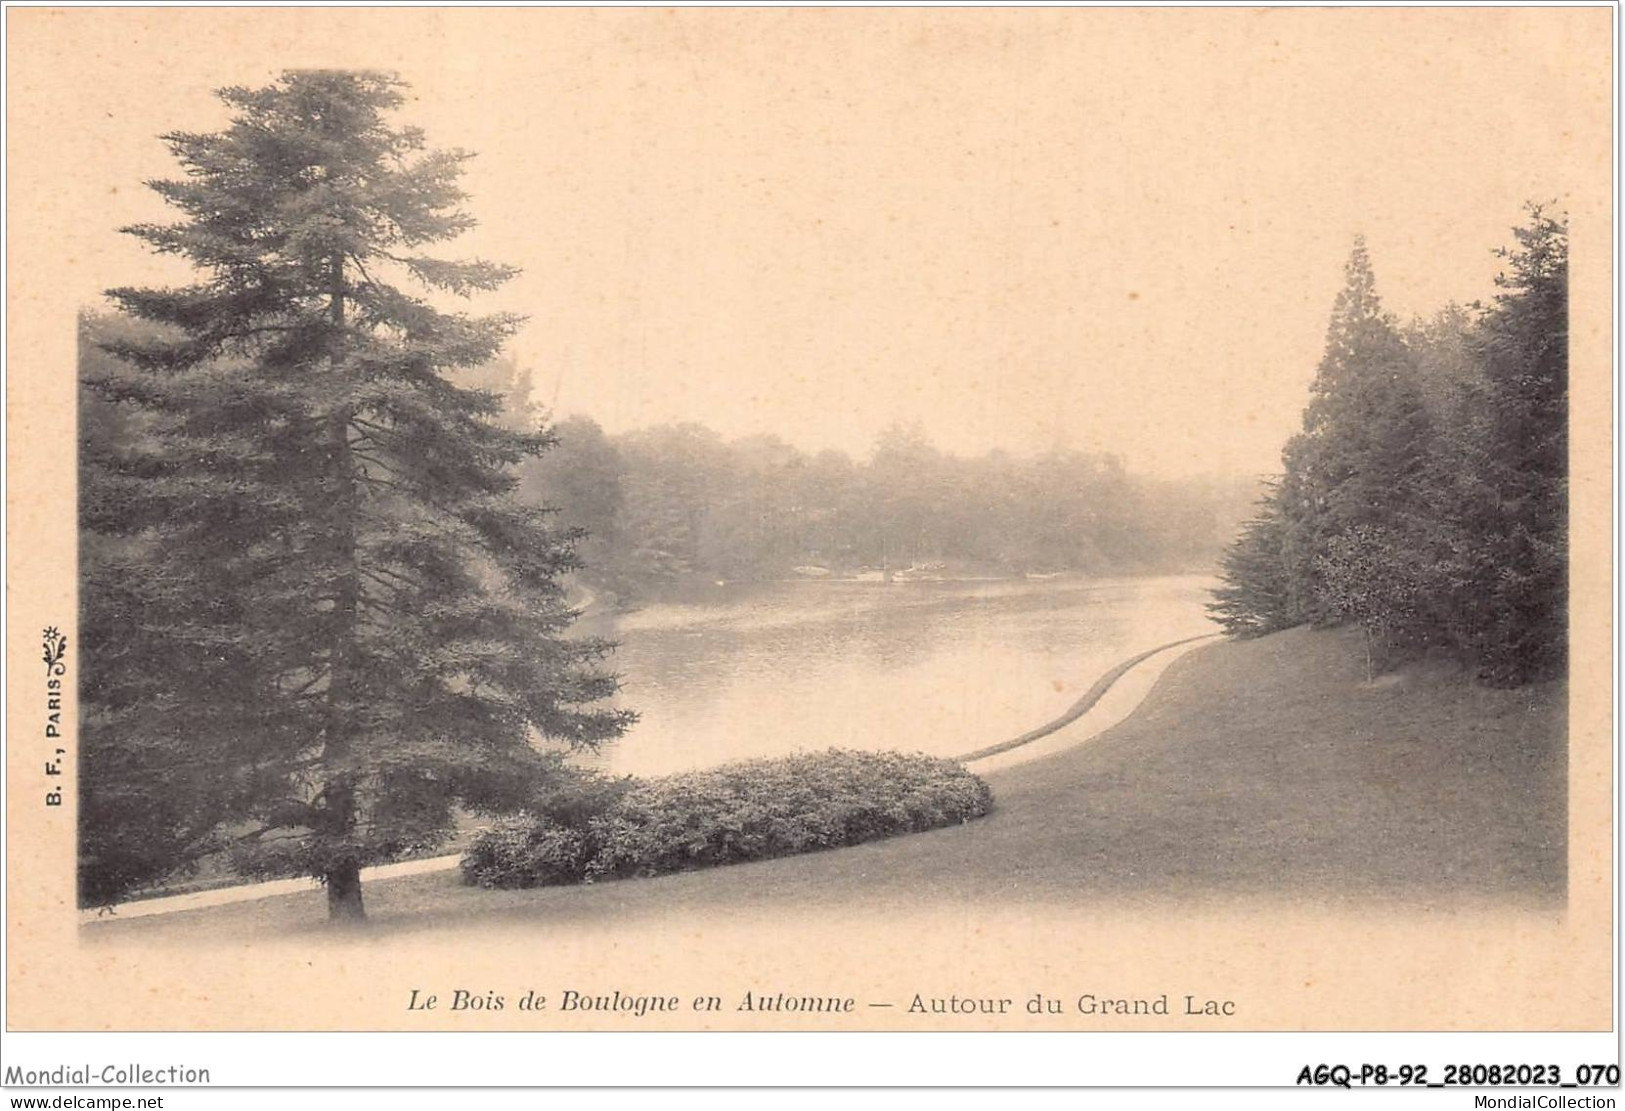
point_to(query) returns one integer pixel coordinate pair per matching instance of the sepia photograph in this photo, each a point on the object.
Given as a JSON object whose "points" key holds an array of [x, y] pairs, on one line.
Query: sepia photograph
{"points": [[810, 519]]}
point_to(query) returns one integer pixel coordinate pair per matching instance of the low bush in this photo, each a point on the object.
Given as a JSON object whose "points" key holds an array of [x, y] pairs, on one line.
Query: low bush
{"points": [[750, 810], [526, 850]]}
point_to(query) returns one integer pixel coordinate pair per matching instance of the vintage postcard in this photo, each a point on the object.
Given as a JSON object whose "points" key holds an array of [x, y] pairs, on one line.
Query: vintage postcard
{"points": [[966, 519]]}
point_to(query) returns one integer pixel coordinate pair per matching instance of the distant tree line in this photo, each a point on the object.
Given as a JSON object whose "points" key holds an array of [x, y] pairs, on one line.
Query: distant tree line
{"points": [[1426, 497], [675, 501]]}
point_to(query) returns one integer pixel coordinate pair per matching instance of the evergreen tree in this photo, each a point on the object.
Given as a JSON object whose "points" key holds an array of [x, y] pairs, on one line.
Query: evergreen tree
{"points": [[1353, 494], [1257, 595], [1515, 577], [1359, 468], [346, 625]]}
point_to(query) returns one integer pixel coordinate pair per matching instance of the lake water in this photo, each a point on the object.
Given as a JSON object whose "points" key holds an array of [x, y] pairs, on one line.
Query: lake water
{"points": [[936, 667]]}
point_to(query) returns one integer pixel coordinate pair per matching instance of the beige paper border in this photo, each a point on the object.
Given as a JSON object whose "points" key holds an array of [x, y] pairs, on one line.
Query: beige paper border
{"points": [[1292, 967]]}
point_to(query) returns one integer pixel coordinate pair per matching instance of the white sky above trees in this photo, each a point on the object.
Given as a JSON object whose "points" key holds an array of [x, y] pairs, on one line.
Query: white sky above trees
{"points": [[1117, 230]]}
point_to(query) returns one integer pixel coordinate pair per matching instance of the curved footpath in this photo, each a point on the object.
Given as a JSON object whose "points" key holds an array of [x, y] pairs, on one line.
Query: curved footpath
{"points": [[981, 760], [1082, 706]]}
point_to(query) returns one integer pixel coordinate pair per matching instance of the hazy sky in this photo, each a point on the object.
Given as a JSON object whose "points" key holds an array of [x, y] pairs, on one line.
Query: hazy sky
{"points": [[1120, 230]]}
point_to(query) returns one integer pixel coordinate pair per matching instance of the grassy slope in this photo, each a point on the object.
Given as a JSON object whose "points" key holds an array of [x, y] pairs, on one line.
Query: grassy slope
{"points": [[1267, 768]]}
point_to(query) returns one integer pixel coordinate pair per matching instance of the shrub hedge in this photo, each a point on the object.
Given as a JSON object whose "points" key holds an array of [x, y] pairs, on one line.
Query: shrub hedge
{"points": [[596, 827]]}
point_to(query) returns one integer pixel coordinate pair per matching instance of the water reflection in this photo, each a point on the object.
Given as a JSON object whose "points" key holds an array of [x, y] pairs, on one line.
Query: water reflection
{"points": [[767, 669]]}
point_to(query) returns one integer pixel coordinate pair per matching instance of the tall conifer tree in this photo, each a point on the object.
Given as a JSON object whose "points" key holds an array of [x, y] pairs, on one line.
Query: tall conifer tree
{"points": [[1516, 491], [347, 625], [1358, 468]]}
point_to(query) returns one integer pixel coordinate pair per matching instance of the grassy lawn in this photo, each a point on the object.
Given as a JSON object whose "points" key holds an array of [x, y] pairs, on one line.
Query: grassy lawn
{"points": [[1263, 769]]}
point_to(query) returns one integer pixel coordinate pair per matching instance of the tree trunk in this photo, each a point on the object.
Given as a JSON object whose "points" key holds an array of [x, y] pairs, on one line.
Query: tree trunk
{"points": [[343, 880], [344, 894]]}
